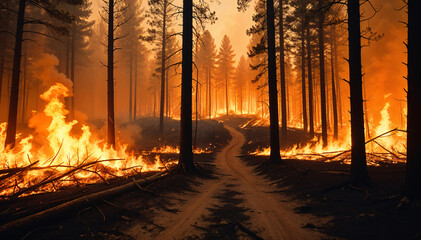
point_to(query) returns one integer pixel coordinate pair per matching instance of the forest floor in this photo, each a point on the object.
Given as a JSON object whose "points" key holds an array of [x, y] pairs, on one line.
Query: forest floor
{"points": [[235, 197]]}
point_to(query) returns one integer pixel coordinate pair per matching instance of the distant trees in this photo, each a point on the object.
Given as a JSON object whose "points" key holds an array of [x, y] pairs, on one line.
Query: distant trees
{"points": [[77, 42], [225, 61], [130, 46], [413, 169], [206, 60], [242, 81], [161, 14]]}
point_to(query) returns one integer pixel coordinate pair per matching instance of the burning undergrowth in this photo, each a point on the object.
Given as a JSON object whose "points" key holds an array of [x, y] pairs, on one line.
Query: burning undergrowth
{"points": [[384, 144], [62, 152]]}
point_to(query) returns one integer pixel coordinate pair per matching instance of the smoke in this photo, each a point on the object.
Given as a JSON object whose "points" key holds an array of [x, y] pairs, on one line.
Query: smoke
{"points": [[45, 69], [383, 61]]}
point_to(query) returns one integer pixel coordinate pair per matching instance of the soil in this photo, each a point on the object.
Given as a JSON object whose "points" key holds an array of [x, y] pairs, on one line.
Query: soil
{"points": [[235, 196], [351, 213]]}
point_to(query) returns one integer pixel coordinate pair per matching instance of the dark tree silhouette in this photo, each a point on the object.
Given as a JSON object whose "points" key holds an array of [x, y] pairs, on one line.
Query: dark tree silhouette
{"points": [[334, 98], [413, 168], [282, 70], [310, 83], [359, 173], [186, 154], [322, 72], [273, 91], [110, 74]]}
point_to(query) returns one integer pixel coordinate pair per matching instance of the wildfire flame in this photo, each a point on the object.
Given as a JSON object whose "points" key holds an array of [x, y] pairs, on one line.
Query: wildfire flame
{"points": [[389, 147], [62, 151]]}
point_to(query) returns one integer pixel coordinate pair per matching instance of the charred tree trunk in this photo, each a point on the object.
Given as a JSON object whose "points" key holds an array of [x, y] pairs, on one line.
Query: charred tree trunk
{"points": [[226, 92], [135, 84], [303, 80], [110, 71], [310, 85], [282, 70], [273, 92], [359, 173], [14, 94], [334, 101], [131, 86], [186, 155], [338, 85], [413, 167], [322, 74], [164, 38], [25, 83], [72, 72]]}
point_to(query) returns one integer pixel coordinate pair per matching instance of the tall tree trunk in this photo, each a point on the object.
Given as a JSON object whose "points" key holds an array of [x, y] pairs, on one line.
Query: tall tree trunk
{"points": [[322, 74], [310, 85], [359, 173], [14, 94], [338, 85], [186, 154], [413, 167], [282, 70], [131, 86], [110, 80], [164, 40], [167, 95], [210, 93], [303, 80], [334, 101], [226, 91], [135, 84], [25, 83], [272, 83], [72, 71]]}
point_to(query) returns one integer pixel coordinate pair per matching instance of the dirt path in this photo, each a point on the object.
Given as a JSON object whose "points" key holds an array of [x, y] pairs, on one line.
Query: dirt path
{"points": [[237, 196]]}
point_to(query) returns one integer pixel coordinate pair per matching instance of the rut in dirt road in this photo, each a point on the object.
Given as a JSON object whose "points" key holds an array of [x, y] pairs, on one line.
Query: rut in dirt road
{"points": [[236, 205]]}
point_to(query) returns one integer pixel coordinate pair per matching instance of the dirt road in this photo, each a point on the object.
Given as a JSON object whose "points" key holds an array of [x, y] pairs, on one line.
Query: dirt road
{"points": [[237, 202]]}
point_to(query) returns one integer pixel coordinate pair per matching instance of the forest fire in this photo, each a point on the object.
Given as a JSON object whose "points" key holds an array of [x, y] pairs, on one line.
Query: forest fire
{"points": [[388, 145], [59, 157]]}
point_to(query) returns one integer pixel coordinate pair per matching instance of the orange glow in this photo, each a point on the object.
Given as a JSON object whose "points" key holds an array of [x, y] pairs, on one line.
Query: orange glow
{"points": [[62, 151]]}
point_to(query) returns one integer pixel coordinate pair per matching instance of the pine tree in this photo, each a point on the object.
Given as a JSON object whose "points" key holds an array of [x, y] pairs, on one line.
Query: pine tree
{"points": [[225, 61]]}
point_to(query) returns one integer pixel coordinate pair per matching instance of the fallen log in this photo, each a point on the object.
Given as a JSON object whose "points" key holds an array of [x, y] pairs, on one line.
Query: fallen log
{"points": [[25, 223]]}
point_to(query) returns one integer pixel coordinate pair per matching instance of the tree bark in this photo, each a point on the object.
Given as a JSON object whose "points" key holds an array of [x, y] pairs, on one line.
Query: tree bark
{"points": [[72, 72], [322, 74], [303, 80], [110, 80], [334, 101], [135, 85], [14, 94], [186, 155], [131, 86], [359, 173], [282, 70], [164, 40], [272, 83], [413, 167], [226, 91], [338, 85], [310, 85]]}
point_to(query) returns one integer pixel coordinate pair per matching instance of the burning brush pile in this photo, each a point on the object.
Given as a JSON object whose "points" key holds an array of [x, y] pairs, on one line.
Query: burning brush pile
{"points": [[54, 156]]}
